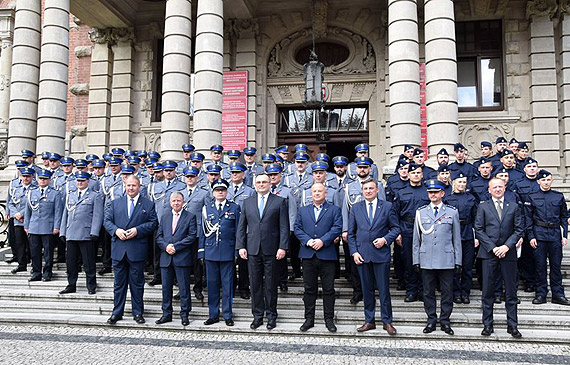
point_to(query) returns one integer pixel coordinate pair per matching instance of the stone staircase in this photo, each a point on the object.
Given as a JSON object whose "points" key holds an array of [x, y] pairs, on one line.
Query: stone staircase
{"points": [[39, 303]]}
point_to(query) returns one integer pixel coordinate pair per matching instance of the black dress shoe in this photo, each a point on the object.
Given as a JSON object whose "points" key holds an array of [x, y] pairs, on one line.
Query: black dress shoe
{"points": [[155, 281], [283, 287], [139, 319], [429, 328], [199, 295], [329, 323], [561, 301], [309, 323], [114, 319], [9, 261], [256, 323], [229, 322], [466, 300], [487, 330], [35, 278], [271, 324], [245, 295], [497, 300], [18, 269], [185, 321], [105, 270], [211, 321], [91, 291], [513, 331], [457, 300], [163, 319], [447, 329], [67, 290], [411, 298], [176, 296], [539, 299]]}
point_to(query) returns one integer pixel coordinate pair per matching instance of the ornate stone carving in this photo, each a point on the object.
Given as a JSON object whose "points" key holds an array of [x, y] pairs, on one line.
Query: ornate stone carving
{"points": [[563, 7], [153, 142], [83, 51], [123, 35], [3, 153], [472, 135], [541, 8], [273, 65], [320, 11], [100, 36], [79, 130], [369, 60], [4, 82], [79, 89]]}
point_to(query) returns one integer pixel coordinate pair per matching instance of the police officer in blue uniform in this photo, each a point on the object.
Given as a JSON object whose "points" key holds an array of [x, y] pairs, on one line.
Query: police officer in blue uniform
{"points": [[42, 219], [521, 154], [548, 233], [218, 248], [398, 180], [466, 204], [252, 167], [479, 186], [500, 145], [197, 160], [283, 152], [442, 157], [420, 158], [461, 163], [187, 150], [319, 172], [216, 155], [238, 191], [28, 156], [444, 175], [362, 150], [81, 225], [45, 160], [509, 164]]}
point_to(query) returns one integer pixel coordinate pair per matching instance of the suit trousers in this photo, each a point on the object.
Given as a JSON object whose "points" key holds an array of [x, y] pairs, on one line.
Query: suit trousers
{"points": [[60, 249], [462, 283], [21, 246], [314, 268], [182, 274], [294, 245], [264, 273], [220, 276], [399, 268], [412, 278], [491, 268], [376, 276], [87, 251], [430, 279], [241, 276], [526, 264], [37, 243], [106, 249], [197, 269], [128, 273], [553, 251]]}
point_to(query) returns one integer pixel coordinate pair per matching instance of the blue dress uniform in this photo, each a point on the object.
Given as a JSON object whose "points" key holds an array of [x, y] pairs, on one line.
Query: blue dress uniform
{"points": [[395, 183], [218, 248], [429, 172], [466, 205], [184, 164], [479, 187], [299, 182], [239, 193], [549, 215], [81, 225], [464, 167], [407, 201], [288, 166], [437, 252], [42, 219], [351, 171], [109, 185], [216, 148]]}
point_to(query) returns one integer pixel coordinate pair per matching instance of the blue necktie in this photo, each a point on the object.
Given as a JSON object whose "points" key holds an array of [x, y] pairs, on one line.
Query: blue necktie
{"points": [[132, 207], [261, 206], [435, 211], [370, 213]]}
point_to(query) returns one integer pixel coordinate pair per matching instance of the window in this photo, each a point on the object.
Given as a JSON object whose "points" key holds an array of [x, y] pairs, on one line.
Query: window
{"points": [[330, 54], [330, 119], [479, 65]]}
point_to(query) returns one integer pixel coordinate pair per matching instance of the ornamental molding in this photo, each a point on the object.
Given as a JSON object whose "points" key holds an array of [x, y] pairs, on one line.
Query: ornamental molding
{"points": [[320, 11], [541, 8], [472, 135], [100, 36]]}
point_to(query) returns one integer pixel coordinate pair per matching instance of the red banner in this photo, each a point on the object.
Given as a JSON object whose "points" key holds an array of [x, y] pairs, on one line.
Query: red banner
{"points": [[423, 109], [234, 110]]}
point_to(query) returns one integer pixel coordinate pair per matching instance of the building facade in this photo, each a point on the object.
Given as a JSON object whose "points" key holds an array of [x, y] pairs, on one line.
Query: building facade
{"points": [[428, 73]]}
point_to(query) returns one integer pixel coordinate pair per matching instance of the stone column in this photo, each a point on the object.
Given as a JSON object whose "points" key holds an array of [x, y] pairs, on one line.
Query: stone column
{"points": [[5, 76], [404, 71], [25, 78], [52, 104], [208, 66], [122, 89], [565, 82], [248, 31], [543, 91], [98, 122], [441, 75], [175, 120]]}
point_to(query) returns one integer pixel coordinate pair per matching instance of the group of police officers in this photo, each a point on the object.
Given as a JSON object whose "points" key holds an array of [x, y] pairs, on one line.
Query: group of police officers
{"points": [[60, 207]]}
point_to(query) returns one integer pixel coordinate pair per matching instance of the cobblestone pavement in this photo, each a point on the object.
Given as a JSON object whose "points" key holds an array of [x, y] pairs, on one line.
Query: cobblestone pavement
{"points": [[88, 345]]}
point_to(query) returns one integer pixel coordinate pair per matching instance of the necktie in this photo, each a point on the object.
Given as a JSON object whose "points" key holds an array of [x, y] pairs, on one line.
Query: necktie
{"points": [[261, 206], [500, 208], [189, 192], [219, 209], [435, 211], [340, 183], [132, 207], [168, 185], [78, 197], [42, 191], [273, 187], [114, 178], [236, 190], [300, 177], [370, 212], [249, 169], [175, 221]]}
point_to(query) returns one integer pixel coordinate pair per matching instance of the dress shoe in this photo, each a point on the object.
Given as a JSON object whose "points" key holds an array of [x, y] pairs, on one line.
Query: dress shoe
{"points": [[283, 287], [271, 324], [466, 300], [513, 331], [199, 295], [114, 319], [309, 323], [176, 296], [245, 295], [92, 291], [47, 278], [139, 319], [35, 278], [10, 260], [329, 323], [105, 270], [457, 300], [429, 328], [294, 276], [389, 328], [67, 290], [163, 319], [18, 269], [487, 330], [367, 326], [355, 299], [155, 281], [256, 323], [211, 321], [185, 321], [447, 329], [561, 301], [411, 298], [497, 300], [229, 322], [539, 299]]}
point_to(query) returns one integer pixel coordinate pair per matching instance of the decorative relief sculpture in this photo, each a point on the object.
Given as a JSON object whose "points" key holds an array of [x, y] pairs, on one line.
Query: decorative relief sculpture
{"points": [[541, 8], [472, 135]]}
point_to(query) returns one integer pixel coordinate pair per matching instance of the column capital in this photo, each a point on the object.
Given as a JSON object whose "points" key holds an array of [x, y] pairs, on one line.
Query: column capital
{"points": [[541, 8], [563, 8], [123, 35], [100, 36]]}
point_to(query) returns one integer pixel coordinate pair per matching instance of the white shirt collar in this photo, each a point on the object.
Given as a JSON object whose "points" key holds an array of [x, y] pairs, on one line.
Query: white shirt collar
{"points": [[217, 203], [136, 198], [438, 206], [174, 213]]}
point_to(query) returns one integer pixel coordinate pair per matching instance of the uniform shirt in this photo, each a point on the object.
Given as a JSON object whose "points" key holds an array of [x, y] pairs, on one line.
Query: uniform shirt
{"points": [[547, 207]]}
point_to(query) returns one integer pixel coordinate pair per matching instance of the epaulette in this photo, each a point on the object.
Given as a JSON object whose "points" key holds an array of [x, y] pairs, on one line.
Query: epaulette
{"points": [[423, 206], [450, 206]]}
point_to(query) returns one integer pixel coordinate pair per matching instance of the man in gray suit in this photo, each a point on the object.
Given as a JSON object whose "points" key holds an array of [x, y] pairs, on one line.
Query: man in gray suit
{"points": [[263, 239], [436, 250]]}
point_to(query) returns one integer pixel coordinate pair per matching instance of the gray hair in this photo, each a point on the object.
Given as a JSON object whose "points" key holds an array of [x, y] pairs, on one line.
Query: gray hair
{"points": [[176, 194]]}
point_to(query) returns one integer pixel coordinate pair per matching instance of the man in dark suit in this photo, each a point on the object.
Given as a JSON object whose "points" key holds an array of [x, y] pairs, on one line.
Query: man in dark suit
{"points": [[372, 227], [263, 239], [175, 235], [317, 226], [498, 227], [130, 220]]}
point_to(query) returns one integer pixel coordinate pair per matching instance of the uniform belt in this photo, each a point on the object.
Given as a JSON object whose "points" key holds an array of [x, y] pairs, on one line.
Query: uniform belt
{"points": [[546, 224], [407, 219], [464, 222]]}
